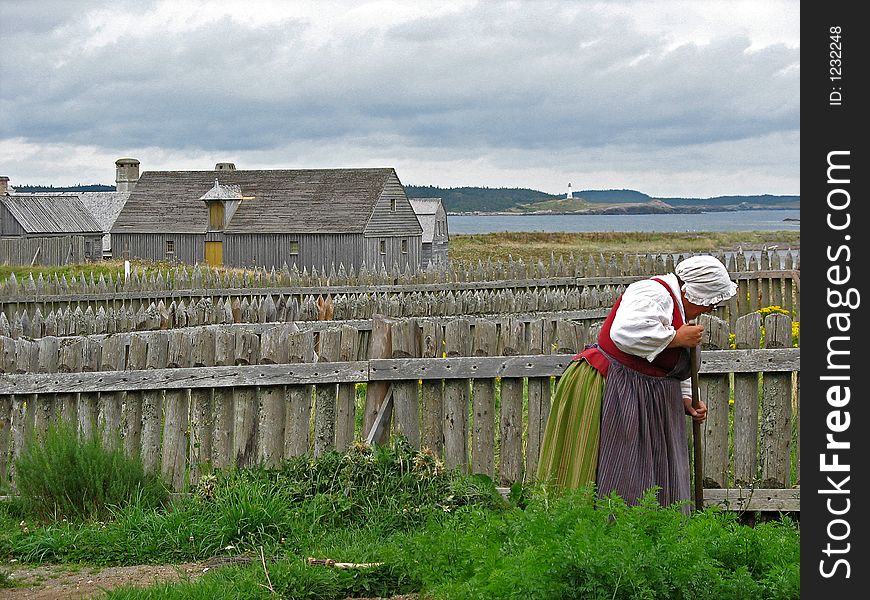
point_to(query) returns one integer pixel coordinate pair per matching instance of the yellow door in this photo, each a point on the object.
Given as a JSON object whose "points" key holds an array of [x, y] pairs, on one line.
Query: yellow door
{"points": [[214, 253]]}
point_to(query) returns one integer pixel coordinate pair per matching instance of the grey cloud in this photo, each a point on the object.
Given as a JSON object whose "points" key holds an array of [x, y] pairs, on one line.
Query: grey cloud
{"points": [[485, 79]]}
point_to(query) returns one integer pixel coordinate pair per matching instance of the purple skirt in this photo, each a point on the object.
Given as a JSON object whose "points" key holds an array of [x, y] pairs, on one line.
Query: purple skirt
{"points": [[643, 438]]}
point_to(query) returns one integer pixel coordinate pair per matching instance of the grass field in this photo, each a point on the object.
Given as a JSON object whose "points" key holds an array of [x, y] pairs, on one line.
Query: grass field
{"points": [[499, 246], [537, 245]]}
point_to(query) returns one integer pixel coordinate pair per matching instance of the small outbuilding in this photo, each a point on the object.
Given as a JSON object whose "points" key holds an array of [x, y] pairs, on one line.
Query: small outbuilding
{"points": [[433, 219], [307, 218], [47, 229]]}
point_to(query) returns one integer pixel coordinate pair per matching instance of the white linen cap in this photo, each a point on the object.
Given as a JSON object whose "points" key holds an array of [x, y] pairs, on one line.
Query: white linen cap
{"points": [[705, 280]]}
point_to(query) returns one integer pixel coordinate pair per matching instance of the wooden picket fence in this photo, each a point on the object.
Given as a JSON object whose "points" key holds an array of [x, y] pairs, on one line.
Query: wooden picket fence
{"points": [[39, 307], [475, 390]]}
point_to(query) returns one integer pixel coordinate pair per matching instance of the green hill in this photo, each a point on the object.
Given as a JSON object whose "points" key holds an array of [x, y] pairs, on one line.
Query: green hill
{"points": [[485, 199], [50, 189], [762, 201], [470, 199]]}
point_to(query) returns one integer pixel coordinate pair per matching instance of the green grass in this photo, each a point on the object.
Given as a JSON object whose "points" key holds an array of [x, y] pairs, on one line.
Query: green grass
{"points": [[495, 246], [62, 475], [433, 530], [534, 246]]}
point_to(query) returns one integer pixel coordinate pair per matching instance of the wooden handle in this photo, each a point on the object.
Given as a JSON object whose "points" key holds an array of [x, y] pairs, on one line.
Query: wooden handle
{"points": [[696, 433]]}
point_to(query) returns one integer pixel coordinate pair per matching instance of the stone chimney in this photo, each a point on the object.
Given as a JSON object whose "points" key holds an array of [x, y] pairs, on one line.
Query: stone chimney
{"points": [[126, 174], [4, 185], [225, 166]]}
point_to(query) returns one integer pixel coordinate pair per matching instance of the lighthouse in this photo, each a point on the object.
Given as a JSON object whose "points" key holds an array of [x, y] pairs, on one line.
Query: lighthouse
{"points": [[570, 194]]}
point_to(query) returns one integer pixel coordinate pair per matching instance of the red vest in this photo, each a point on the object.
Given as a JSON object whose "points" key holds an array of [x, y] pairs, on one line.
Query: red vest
{"points": [[663, 364]]}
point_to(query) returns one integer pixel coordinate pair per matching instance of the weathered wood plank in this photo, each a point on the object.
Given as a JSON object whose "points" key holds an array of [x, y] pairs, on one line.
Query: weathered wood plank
{"points": [[152, 402], [484, 343], [176, 416], [298, 412], [272, 400], [245, 404], [715, 391], [5, 436], [467, 367], [511, 343], [405, 338], [345, 406], [326, 394], [110, 404], [379, 370], [538, 402], [201, 407], [754, 499], [432, 434], [131, 413], [776, 411], [457, 338], [747, 335], [380, 346]]}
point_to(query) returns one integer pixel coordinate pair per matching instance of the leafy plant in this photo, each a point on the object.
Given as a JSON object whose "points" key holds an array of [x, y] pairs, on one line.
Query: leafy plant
{"points": [[62, 475]]}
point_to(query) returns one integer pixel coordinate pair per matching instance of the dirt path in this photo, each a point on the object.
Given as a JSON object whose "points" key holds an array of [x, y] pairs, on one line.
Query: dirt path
{"points": [[64, 582], [68, 582]]}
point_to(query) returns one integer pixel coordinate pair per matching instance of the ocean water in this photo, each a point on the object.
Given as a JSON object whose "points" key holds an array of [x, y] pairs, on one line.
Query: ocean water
{"points": [[738, 220]]}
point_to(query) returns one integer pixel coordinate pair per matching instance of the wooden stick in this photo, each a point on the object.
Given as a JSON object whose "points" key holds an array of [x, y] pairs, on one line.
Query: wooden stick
{"points": [[696, 433], [266, 571], [328, 562]]}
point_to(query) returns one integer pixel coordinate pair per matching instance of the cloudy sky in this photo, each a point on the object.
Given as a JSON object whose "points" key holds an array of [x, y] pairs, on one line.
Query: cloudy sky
{"points": [[682, 98]]}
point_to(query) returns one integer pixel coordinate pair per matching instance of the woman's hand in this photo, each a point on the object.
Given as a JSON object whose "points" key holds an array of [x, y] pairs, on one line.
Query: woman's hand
{"points": [[687, 336], [698, 414]]}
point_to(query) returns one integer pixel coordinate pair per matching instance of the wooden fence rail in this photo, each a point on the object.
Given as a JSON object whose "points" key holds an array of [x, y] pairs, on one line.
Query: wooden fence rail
{"points": [[475, 390]]}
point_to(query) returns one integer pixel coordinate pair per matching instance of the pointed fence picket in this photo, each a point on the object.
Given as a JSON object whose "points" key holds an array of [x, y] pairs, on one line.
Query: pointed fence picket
{"points": [[190, 296]]}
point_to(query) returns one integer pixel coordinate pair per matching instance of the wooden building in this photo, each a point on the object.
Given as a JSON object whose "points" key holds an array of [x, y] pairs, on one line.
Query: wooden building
{"points": [[433, 219], [48, 224], [311, 218]]}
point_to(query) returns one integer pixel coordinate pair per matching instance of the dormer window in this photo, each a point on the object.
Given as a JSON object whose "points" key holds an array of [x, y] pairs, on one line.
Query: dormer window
{"points": [[219, 200], [216, 215]]}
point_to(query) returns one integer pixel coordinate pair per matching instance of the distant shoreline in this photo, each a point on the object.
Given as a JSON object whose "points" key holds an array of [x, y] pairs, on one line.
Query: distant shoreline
{"points": [[619, 210]]}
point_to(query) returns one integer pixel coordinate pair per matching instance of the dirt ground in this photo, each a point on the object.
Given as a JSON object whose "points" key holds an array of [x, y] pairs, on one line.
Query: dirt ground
{"points": [[68, 582], [63, 582]]}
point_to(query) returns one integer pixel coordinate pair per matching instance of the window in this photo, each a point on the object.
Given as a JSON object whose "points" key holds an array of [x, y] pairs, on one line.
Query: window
{"points": [[404, 246], [392, 205], [383, 246], [170, 248], [294, 248]]}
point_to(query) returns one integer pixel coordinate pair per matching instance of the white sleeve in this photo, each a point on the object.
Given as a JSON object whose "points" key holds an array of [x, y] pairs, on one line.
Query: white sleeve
{"points": [[643, 323], [686, 387]]}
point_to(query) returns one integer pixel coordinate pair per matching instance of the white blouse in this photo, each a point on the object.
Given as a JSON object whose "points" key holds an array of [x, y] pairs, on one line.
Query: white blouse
{"points": [[643, 324]]}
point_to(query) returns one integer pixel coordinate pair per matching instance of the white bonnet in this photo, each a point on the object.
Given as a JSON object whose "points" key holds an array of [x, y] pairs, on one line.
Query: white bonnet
{"points": [[705, 280]]}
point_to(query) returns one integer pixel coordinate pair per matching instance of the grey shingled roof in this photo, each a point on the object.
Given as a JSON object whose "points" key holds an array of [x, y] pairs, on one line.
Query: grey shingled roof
{"points": [[425, 206], [223, 192], [104, 206], [51, 213], [426, 209], [276, 201]]}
